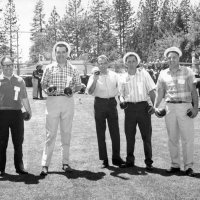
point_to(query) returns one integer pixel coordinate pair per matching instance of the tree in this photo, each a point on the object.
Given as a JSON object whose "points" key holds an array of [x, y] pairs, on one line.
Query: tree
{"points": [[11, 27], [37, 32], [123, 13]]}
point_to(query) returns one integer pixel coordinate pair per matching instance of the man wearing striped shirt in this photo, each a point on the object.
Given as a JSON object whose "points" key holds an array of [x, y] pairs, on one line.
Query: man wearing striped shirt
{"points": [[59, 106], [177, 85], [135, 90]]}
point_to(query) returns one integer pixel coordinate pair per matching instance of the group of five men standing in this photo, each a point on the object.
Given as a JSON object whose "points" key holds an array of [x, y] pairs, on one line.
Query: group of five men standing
{"points": [[136, 89]]}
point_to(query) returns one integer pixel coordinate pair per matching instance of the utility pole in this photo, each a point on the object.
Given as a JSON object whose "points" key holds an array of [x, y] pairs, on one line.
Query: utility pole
{"points": [[18, 68]]}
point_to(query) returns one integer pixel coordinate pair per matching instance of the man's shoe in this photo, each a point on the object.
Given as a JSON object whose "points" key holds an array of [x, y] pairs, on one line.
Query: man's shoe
{"points": [[21, 171], [44, 171], [173, 170], [67, 168], [118, 162], [105, 164], [149, 167], [127, 165], [2, 173], [189, 172]]}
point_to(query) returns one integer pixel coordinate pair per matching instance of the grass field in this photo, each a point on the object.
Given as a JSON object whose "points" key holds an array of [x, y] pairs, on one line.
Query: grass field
{"points": [[88, 180]]}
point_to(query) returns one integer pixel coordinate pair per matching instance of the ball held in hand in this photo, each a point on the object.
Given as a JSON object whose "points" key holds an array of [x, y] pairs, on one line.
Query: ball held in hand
{"points": [[26, 116], [161, 112], [189, 113], [68, 91], [123, 105], [52, 88]]}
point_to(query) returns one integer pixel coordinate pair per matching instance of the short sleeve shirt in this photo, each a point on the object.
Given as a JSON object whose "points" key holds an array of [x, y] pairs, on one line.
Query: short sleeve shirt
{"points": [[12, 91], [177, 86], [106, 86], [136, 88], [61, 77]]}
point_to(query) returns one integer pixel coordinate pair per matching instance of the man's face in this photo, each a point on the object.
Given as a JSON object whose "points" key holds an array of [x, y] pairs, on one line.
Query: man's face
{"points": [[61, 54], [131, 62], [103, 64], [173, 59], [7, 67]]}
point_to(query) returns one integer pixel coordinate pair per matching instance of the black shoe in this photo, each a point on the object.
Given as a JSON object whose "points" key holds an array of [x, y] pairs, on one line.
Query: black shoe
{"points": [[118, 162], [149, 167], [189, 172], [105, 164], [2, 173], [21, 171], [67, 168], [127, 165], [35, 98], [44, 171], [173, 170]]}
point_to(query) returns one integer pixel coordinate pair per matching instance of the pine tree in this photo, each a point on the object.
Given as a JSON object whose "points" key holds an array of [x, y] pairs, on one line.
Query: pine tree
{"points": [[123, 13], [38, 32], [11, 27]]}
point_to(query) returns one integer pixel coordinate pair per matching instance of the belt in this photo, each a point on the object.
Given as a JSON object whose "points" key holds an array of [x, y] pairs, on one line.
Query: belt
{"points": [[107, 99], [177, 102], [140, 102], [57, 95]]}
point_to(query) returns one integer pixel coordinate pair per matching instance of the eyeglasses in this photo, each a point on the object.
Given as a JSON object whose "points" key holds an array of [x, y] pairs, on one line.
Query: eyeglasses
{"points": [[6, 66]]}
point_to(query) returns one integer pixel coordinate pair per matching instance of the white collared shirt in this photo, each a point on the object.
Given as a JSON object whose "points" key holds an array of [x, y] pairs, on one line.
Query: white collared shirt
{"points": [[106, 86], [136, 88]]}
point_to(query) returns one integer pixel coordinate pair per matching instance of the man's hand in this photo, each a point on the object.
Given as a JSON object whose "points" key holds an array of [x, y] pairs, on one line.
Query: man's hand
{"points": [[160, 112], [192, 112]]}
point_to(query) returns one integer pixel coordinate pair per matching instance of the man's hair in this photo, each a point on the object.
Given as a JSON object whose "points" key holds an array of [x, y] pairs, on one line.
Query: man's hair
{"points": [[62, 45], [3, 59], [102, 57], [131, 55]]}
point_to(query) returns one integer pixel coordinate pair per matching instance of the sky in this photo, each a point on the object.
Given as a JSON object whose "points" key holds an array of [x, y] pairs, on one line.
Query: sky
{"points": [[25, 8]]}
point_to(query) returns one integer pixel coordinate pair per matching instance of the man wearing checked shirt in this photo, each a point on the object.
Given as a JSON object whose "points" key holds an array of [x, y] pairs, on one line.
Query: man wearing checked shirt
{"points": [[177, 85], [59, 106], [136, 90]]}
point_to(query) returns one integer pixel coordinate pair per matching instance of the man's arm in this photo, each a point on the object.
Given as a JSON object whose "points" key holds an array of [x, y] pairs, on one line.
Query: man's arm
{"points": [[26, 104], [152, 95], [92, 84], [195, 101], [159, 96]]}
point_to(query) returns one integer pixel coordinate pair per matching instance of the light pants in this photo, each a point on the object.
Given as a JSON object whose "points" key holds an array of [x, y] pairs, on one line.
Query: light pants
{"points": [[59, 110], [35, 87], [179, 125]]}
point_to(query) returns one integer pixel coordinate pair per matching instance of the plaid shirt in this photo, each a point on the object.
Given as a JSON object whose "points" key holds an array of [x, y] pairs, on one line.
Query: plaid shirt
{"points": [[177, 86], [60, 77]]}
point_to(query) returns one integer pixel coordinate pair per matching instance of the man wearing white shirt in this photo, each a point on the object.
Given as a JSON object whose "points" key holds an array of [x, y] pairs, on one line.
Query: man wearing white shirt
{"points": [[103, 84], [136, 90]]}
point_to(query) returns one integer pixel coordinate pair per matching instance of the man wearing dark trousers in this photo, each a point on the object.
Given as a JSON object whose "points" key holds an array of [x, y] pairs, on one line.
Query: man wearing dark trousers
{"points": [[103, 84], [136, 89], [13, 96]]}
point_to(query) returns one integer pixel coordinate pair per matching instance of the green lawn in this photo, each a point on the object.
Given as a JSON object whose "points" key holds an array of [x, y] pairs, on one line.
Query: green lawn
{"points": [[88, 180]]}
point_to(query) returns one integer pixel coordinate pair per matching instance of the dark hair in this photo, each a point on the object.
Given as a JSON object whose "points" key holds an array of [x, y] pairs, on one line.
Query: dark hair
{"points": [[130, 56], [62, 45], [8, 57]]}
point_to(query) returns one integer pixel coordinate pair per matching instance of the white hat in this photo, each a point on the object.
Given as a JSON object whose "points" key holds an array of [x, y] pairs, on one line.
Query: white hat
{"points": [[54, 49], [173, 49], [131, 54]]}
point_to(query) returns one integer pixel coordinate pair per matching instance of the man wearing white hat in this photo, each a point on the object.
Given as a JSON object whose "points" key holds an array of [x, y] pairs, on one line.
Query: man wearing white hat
{"points": [[136, 90], [177, 85], [103, 84], [60, 104]]}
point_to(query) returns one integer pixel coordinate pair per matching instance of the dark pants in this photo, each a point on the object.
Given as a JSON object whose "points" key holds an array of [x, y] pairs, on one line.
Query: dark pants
{"points": [[138, 114], [105, 109], [11, 119], [40, 88]]}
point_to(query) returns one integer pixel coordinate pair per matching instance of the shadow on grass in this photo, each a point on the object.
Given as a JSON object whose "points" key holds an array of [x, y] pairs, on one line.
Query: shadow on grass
{"points": [[74, 174], [27, 178], [140, 171]]}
